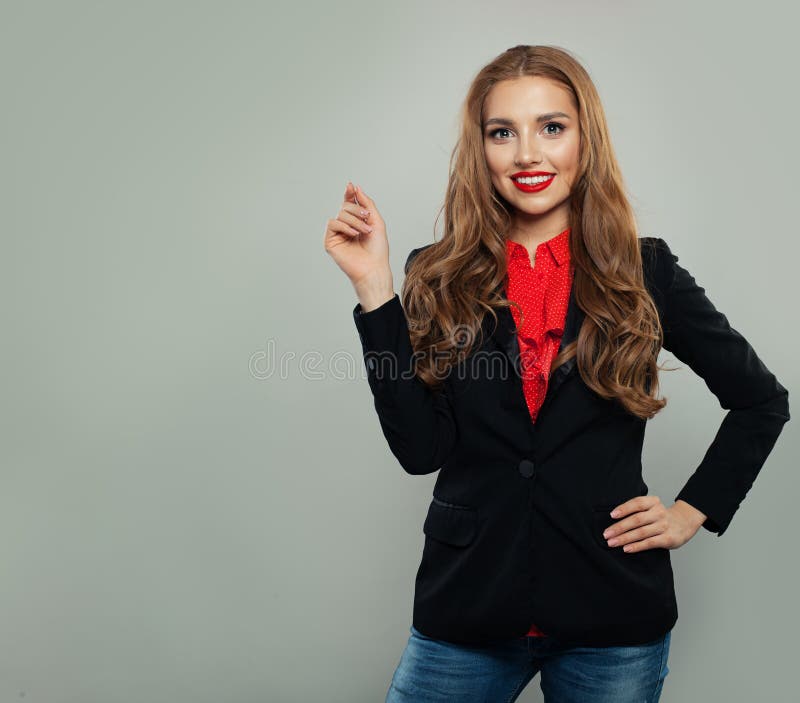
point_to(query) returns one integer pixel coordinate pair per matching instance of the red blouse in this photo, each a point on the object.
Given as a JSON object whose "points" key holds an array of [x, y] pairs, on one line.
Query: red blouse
{"points": [[543, 293]]}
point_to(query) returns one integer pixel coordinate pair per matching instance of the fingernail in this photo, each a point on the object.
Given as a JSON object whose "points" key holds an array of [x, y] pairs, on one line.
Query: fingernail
{"points": [[614, 513]]}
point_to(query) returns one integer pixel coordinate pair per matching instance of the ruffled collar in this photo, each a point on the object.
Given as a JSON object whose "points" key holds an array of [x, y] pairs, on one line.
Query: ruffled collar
{"points": [[553, 307]]}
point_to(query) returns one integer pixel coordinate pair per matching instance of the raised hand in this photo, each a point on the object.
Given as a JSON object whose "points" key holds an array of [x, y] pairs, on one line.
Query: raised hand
{"points": [[357, 242]]}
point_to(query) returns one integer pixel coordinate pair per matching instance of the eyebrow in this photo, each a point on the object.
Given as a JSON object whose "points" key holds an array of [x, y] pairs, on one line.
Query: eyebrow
{"points": [[510, 123]]}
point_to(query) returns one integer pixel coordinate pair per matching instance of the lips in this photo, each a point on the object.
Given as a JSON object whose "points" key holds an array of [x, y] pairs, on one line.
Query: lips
{"points": [[536, 187]]}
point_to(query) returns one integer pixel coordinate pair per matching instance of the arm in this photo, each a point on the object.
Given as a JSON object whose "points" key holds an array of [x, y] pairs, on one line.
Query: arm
{"points": [[701, 336], [417, 422]]}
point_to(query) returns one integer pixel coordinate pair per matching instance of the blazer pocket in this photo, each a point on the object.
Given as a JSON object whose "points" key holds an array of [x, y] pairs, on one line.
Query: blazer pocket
{"points": [[450, 523]]}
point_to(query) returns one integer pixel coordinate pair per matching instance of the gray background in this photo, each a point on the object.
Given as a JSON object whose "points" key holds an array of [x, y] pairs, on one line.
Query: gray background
{"points": [[197, 503]]}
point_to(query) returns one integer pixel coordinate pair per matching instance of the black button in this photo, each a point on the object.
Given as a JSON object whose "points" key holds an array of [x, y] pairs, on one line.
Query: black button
{"points": [[527, 468]]}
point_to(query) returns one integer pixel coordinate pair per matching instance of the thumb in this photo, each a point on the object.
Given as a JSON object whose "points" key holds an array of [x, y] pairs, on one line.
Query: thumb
{"points": [[349, 193], [364, 199]]}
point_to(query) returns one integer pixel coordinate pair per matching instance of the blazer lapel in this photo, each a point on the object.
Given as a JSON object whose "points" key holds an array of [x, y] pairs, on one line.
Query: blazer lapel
{"points": [[572, 325]]}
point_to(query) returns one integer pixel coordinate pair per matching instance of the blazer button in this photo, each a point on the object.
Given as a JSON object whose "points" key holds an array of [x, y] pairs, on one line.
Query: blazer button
{"points": [[527, 468]]}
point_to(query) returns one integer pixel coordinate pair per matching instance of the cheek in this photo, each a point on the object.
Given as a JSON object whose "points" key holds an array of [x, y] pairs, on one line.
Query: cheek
{"points": [[572, 156], [492, 162], [562, 157]]}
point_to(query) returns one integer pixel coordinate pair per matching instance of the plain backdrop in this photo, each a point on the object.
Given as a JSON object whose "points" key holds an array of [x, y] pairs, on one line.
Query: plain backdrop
{"points": [[197, 503]]}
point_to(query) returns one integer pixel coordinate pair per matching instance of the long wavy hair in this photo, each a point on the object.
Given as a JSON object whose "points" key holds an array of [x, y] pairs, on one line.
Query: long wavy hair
{"points": [[454, 283]]}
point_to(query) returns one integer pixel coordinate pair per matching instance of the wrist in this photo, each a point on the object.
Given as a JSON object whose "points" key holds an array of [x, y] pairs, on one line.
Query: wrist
{"points": [[374, 290], [696, 516]]}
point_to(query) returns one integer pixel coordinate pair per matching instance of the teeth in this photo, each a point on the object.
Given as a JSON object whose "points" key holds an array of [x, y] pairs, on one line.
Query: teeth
{"points": [[533, 180]]}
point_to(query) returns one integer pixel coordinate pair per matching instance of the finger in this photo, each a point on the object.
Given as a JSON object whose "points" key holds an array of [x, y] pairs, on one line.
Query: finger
{"points": [[364, 199], [350, 194], [629, 523], [354, 221], [356, 210], [628, 536], [654, 542], [342, 228], [634, 505]]}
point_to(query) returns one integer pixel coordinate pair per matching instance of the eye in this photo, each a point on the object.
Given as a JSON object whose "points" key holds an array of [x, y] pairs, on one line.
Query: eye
{"points": [[494, 132], [555, 124]]}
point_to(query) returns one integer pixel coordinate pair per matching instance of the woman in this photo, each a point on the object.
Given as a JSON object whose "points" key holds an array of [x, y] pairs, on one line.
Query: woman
{"points": [[522, 365]]}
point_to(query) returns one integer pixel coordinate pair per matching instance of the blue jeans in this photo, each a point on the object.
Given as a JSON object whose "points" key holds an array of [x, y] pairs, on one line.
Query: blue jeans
{"points": [[435, 670]]}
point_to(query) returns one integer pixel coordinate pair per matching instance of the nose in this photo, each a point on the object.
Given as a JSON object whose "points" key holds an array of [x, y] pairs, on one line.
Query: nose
{"points": [[527, 152]]}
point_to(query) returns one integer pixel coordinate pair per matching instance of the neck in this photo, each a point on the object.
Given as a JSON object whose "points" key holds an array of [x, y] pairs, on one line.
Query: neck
{"points": [[532, 239]]}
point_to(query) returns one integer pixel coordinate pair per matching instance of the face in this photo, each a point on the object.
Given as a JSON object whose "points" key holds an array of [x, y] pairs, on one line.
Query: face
{"points": [[530, 124]]}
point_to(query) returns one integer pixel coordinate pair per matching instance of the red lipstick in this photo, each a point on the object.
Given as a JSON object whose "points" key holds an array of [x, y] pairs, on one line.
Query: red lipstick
{"points": [[535, 188]]}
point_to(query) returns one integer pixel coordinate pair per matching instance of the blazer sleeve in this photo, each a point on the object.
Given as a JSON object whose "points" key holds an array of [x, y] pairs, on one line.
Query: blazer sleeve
{"points": [[758, 405], [416, 421]]}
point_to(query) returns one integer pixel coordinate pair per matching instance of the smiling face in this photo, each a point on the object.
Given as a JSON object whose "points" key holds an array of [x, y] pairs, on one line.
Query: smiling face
{"points": [[530, 124]]}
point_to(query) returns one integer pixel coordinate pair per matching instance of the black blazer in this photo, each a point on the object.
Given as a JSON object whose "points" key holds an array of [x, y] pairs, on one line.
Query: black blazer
{"points": [[513, 535]]}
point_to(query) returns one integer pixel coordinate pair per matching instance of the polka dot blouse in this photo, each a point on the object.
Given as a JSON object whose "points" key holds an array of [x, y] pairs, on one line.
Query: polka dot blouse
{"points": [[542, 290]]}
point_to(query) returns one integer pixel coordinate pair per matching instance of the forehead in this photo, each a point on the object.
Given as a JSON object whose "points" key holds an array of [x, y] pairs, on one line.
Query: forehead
{"points": [[526, 97]]}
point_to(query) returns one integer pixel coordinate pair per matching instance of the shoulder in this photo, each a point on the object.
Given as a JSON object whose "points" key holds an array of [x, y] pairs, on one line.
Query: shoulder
{"points": [[413, 253], [657, 262]]}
